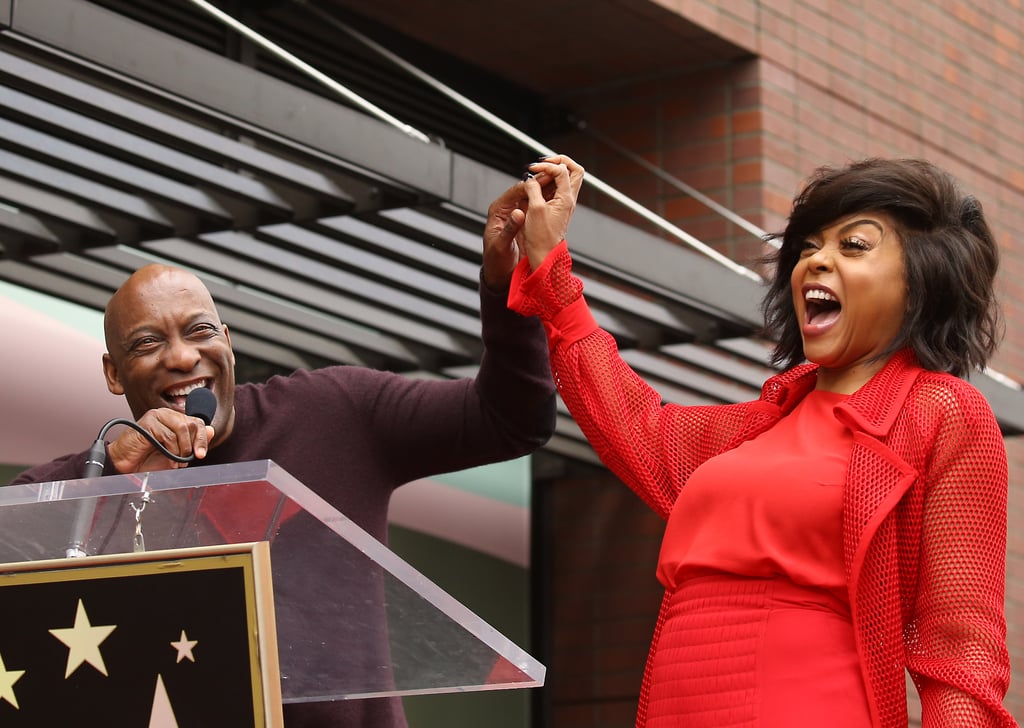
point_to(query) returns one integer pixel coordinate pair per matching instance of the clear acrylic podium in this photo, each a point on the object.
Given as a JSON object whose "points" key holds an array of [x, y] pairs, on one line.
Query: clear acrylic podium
{"points": [[353, 619]]}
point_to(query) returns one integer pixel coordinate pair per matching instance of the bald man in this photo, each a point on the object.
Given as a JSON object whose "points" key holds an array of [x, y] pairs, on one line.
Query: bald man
{"points": [[351, 434], [165, 338]]}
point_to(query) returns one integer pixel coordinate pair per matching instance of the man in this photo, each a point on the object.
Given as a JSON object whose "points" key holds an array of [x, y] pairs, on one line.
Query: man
{"points": [[350, 434]]}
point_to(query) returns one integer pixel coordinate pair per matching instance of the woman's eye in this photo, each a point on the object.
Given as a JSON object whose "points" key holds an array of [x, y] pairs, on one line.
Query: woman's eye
{"points": [[855, 244]]}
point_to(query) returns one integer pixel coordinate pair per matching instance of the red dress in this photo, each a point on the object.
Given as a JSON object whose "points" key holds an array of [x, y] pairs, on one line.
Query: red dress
{"points": [[757, 629]]}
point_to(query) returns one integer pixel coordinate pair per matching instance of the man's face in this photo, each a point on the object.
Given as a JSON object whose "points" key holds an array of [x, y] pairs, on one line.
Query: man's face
{"points": [[165, 338]]}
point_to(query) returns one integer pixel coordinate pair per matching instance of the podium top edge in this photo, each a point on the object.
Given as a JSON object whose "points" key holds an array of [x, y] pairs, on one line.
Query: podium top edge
{"points": [[112, 485]]}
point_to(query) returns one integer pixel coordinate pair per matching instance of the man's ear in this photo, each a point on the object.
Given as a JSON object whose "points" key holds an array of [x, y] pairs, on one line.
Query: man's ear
{"points": [[227, 335], [110, 374]]}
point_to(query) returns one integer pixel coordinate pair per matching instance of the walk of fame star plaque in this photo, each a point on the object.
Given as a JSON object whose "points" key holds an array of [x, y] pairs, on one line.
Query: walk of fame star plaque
{"points": [[160, 639]]}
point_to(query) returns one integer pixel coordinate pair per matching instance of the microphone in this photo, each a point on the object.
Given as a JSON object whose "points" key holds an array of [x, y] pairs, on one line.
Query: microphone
{"points": [[200, 403]]}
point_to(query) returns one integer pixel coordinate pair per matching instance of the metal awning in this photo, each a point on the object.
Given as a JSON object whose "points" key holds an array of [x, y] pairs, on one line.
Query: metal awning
{"points": [[324, 235]]}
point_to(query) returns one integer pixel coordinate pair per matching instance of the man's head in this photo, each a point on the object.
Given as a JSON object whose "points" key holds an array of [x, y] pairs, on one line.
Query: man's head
{"points": [[164, 338]]}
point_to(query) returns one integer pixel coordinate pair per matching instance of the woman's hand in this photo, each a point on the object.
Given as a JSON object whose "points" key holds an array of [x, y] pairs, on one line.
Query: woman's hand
{"points": [[551, 199], [530, 218]]}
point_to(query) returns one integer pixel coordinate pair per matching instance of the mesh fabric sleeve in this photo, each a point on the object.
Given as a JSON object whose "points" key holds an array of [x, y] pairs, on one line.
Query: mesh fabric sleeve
{"points": [[651, 446], [956, 643]]}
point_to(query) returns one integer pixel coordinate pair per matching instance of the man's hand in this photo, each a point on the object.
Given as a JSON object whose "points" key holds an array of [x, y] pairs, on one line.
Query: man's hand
{"points": [[501, 252], [132, 453]]}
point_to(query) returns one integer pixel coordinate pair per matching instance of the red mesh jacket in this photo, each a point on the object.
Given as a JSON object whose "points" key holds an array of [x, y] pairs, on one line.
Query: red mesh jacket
{"points": [[924, 515]]}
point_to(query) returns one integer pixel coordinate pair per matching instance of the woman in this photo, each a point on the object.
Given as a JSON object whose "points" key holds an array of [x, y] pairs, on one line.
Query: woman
{"points": [[848, 526]]}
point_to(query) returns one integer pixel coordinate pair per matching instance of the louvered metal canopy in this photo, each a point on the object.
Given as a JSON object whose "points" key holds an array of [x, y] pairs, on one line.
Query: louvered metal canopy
{"points": [[324, 235]]}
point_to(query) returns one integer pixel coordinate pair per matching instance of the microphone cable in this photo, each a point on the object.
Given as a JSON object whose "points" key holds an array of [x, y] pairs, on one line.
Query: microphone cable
{"points": [[199, 403]]}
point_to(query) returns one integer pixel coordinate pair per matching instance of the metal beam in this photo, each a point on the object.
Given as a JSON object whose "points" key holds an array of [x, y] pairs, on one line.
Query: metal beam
{"points": [[266, 351], [46, 205], [213, 145], [87, 191], [378, 299], [100, 136], [421, 279], [142, 53], [721, 363], [1007, 402], [258, 289], [754, 349], [666, 370], [252, 319], [424, 252], [672, 271], [38, 279], [628, 317], [24, 234], [111, 170]]}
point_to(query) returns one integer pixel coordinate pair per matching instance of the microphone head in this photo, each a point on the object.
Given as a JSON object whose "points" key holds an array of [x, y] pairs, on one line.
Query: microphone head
{"points": [[201, 403]]}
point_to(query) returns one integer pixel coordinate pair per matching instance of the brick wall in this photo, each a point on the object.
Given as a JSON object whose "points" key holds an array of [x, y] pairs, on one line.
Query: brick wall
{"points": [[825, 82]]}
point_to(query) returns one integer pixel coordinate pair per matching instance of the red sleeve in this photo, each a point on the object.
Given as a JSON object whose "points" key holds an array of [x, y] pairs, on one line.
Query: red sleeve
{"points": [[956, 643], [652, 447]]}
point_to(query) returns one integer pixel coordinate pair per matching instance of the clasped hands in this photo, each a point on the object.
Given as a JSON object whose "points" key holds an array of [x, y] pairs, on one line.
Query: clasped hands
{"points": [[530, 218]]}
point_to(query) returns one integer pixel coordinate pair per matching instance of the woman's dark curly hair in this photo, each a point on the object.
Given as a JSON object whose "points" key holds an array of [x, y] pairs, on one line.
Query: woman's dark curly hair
{"points": [[952, 322]]}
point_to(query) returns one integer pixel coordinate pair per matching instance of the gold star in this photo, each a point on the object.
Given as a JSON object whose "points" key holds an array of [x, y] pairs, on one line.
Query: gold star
{"points": [[84, 642], [184, 647], [7, 680]]}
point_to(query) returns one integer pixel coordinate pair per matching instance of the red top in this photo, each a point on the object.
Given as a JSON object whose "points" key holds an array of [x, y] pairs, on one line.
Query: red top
{"points": [[771, 506], [924, 500]]}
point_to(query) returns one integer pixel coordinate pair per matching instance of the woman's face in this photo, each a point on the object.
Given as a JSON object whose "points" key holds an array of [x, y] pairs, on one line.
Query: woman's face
{"points": [[850, 296]]}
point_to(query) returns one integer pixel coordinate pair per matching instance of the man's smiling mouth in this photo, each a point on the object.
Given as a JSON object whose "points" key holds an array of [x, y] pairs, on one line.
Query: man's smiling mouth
{"points": [[176, 395]]}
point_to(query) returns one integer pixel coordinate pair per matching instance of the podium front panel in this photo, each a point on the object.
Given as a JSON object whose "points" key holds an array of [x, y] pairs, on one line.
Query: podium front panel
{"points": [[353, 619]]}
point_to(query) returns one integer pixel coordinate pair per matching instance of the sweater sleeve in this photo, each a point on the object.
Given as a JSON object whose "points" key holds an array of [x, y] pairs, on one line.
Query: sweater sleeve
{"points": [[66, 467], [956, 643], [419, 427], [651, 446], [514, 380]]}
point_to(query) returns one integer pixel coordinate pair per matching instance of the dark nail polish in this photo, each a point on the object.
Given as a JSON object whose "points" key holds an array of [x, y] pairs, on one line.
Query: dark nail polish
{"points": [[527, 176]]}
